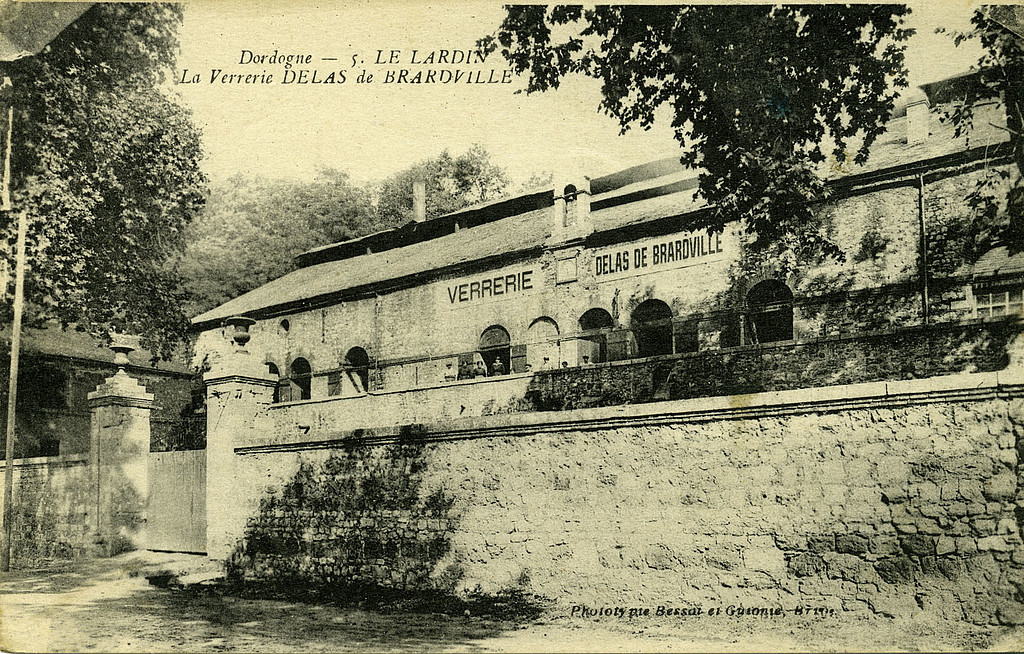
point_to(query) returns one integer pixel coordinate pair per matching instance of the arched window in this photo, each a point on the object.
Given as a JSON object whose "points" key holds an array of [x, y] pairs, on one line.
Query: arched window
{"points": [[594, 327], [301, 379], [595, 319], [496, 350], [770, 312], [542, 344], [357, 369], [652, 327]]}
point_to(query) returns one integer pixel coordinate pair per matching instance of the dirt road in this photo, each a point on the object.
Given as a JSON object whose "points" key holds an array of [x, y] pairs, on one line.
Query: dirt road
{"points": [[108, 606]]}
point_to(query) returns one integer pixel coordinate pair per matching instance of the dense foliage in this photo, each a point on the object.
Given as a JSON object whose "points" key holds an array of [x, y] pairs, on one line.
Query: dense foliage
{"points": [[252, 228], [760, 95], [451, 183], [106, 166], [998, 198]]}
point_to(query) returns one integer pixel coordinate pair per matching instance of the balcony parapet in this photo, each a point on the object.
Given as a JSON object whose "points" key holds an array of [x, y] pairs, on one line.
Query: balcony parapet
{"points": [[887, 357], [975, 387]]}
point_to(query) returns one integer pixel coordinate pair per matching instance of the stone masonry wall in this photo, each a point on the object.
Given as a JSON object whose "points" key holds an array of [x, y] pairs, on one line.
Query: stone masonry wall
{"points": [[53, 409], [91, 502], [952, 227], [884, 356], [54, 500], [886, 508]]}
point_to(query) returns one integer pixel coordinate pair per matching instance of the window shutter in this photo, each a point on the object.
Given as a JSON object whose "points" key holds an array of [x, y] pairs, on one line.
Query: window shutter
{"points": [[618, 345], [518, 358], [334, 383]]}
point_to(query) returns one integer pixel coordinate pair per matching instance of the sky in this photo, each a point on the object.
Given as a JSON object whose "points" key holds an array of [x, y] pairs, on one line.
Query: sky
{"points": [[373, 130]]}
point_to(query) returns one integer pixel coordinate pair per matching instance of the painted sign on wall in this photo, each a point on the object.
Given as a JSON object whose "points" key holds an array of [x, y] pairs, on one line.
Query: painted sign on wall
{"points": [[656, 254], [490, 287]]}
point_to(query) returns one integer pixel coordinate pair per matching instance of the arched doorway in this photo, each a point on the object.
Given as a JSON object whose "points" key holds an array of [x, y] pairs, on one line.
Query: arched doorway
{"points": [[770, 312], [495, 347], [301, 379], [357, 369], [274, 370], [542, 344], [652, 328], [594, 327]]}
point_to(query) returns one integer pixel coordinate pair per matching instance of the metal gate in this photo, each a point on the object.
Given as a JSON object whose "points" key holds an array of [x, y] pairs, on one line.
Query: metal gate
{"points": [[177, 501]]}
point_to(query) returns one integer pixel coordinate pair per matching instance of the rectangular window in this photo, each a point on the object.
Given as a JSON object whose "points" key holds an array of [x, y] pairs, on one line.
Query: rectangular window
{"points": [[518, 358], [996, 303]]}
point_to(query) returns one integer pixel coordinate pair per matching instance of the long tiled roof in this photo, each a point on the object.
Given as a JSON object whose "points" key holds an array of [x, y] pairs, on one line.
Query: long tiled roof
{"points": [[69, 343], [997, 261], [519, 232], [628, 204]]}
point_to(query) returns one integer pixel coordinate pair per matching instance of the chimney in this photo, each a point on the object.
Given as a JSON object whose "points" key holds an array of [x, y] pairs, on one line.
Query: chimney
{"points": [[419, 200], [918, 118], [571, 206]]}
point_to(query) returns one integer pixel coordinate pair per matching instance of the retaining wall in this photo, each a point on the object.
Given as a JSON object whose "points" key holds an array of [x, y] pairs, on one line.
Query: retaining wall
{"points": [[888, 498]]}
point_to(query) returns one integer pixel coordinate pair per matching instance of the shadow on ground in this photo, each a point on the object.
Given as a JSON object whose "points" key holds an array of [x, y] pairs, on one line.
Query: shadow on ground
{"points": [[102, 605]]}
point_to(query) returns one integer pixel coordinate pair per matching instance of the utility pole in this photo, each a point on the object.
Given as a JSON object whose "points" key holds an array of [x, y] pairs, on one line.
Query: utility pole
{"points": [[25, 28], [19, 301]]}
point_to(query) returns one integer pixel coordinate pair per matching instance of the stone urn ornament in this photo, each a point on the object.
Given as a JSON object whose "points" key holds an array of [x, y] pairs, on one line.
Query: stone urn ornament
{"points": [[238, 331], [122, 345]]}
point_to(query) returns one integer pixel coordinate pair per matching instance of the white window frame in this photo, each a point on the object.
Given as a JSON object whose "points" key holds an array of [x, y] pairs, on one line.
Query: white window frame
{"points": [[999, 302]]}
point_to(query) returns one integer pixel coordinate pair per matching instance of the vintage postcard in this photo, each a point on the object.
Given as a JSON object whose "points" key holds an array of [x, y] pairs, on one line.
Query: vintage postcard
{"points": [[368, 326]]}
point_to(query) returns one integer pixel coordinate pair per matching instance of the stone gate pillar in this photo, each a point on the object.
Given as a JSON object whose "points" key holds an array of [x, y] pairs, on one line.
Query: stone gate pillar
{"points": [[239, 389], [120, 413]]}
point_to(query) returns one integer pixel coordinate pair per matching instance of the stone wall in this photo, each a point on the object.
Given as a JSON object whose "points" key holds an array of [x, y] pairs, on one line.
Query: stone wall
{"points": [[952, 225], [54, 498], [468, 398], [874, 498], [883, 356], [93, 502]]}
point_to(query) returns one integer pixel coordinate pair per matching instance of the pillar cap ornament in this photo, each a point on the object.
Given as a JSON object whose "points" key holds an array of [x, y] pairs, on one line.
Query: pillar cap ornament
{"points": [[121, 389], [239, 332], [123, 345]]}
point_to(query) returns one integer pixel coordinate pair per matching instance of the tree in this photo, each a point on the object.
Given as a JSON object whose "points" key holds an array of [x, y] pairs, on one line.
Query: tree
{"points": [[451, 183], [106, 165], [998, 197], [252, 229], [759, 95], [537, 180]]}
